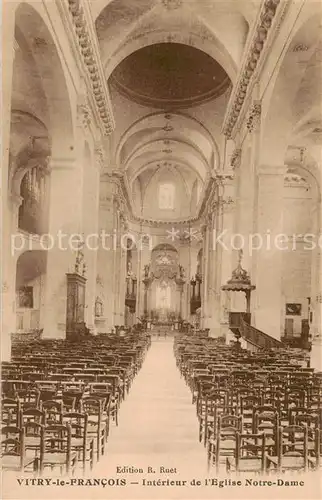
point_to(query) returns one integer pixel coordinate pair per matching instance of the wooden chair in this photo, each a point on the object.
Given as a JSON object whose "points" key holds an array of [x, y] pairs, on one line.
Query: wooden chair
{"points": [[292, 450], [10, 412], [267, 422], [56, 449], [32, 440], [53, 412], [110, 406], [97, 423], [224, 442], [13, 455], [32, 415], [81, 442], [249, 454]]}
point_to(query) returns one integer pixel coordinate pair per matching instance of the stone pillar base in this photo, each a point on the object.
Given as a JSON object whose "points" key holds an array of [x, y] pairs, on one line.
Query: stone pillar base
{"points": [[101, 325], [54, 332], [215, 331], [5, 347], [316, 354], [92, 329]]}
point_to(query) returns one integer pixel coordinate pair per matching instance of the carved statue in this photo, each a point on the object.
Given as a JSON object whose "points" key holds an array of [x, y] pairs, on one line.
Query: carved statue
{"points": [[98, 307], [181, 272], [146, 270]]}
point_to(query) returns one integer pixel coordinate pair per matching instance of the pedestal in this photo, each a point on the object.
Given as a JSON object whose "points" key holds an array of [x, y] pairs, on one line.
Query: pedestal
{"points": [[316, 354]]}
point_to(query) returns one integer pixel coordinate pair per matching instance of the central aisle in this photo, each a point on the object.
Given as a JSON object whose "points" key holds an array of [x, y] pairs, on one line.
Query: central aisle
{"points": [[158, 427]]}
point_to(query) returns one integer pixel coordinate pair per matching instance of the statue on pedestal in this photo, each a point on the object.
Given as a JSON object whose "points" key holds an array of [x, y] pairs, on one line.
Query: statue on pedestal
{"points": [[146, 270]]}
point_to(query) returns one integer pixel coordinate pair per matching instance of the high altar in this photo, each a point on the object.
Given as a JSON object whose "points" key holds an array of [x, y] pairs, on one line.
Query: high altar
{"points": [[163, 280]]}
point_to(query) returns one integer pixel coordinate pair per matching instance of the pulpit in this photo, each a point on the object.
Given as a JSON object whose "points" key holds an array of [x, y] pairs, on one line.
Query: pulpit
{"points": [[239, 282]]}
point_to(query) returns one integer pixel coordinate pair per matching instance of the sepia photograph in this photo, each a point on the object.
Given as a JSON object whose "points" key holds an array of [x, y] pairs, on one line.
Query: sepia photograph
{"points": [[161, 249]]}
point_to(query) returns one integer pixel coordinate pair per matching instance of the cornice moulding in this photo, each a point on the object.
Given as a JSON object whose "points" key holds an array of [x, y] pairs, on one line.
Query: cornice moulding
{"points": [[272, 170], [81, 33], [264, 32]]}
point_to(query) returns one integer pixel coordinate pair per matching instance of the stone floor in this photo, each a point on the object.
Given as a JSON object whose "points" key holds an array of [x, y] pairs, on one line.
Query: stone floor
{"points": [[158, 425]]}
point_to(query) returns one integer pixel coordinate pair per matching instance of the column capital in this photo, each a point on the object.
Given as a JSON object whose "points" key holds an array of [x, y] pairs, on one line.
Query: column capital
{"points": [[223, 177], [99, 156], [203, 228], [16, 200], [84, 119], [57, 163]]}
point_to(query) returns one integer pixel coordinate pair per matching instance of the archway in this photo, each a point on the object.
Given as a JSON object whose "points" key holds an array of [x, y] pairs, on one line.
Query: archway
{"points": [[30, 291]]}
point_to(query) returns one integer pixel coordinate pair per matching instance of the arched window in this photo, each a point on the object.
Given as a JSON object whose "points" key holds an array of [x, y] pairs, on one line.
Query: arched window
{"points": [[163, 297], [31, 211], [166, 196]]}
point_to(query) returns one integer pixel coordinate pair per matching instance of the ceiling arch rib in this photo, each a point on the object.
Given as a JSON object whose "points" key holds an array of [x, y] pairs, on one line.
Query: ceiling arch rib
{"points": [[150, 50], [123, 27], [162, 143], [156, 149], [138, 167], [174, 169], [167, 127]]}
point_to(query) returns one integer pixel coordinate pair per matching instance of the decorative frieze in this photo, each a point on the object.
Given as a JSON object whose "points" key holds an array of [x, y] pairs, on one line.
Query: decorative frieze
{"points": [[251, 60], [84, 33], [223, 202], [235, 159], [301, 47], [254, 115], [172, 4], [222, 177], [84, 116], [99, 155]]}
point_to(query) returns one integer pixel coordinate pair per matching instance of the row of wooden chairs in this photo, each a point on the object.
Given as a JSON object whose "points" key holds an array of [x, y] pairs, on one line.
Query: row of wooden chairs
{"points": [[267, 394], [56, 411]]}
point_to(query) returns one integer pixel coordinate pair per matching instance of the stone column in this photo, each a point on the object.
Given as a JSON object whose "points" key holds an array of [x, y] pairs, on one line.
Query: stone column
{"points": [[205, 261], [145, 261], [185, 262], [268, 272], [116, 264], [212, 298], [122, 271], [90, 229], [224, 251], [7, 257], [316, 299], [138, 274], [106, 252], [65, 227]]}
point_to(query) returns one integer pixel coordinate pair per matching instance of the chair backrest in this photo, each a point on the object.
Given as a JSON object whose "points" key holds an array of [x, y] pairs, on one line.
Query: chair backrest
{"points": [[53, 411], [250, 446], [32, 415], [34, 430], [225, 423], [92, 406], [78, 424], [13, 443], [293, 442], [55, 439], [29, 398], [10, 411]]}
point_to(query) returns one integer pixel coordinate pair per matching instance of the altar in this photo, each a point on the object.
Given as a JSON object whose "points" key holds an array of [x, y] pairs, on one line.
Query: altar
{"points": [[163, 294]]}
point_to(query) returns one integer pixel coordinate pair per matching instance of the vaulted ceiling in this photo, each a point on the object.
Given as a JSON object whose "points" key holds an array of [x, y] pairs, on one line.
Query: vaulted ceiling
{"points": [[170, 66]]}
